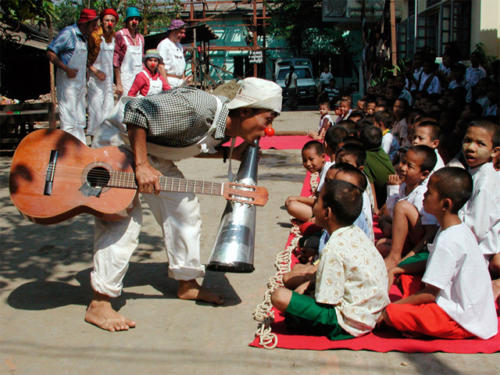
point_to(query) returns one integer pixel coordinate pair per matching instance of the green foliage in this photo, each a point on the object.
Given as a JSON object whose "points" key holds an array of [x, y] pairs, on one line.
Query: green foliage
{"points": [[36, 11], [300, 24]]}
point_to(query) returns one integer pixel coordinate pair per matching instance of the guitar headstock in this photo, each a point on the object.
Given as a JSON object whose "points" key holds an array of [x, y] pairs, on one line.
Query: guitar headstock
{"points": [[249, 194]]}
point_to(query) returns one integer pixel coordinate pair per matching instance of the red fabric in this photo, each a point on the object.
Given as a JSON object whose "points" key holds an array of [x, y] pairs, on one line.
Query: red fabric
{"points": [[279, 142], [109, 11], [87, 15], [410, 284], [427, 319]]}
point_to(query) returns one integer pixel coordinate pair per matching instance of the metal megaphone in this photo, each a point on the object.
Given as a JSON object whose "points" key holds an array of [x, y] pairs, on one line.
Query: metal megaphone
{"points": [[234, 244]]}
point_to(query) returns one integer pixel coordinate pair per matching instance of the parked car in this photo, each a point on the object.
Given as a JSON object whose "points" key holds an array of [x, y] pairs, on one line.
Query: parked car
{"points": [[307, 87]]}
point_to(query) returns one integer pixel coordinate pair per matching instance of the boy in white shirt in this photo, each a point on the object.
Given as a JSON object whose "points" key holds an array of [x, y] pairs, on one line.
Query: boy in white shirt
{"points": [[351, 282], [403, 215], [313, 159], [482, 212], [390, 144], [427, 133], [457, 299]]}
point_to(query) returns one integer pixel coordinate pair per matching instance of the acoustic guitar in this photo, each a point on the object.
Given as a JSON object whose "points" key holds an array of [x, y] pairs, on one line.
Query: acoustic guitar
{"points": [[54, 177]]}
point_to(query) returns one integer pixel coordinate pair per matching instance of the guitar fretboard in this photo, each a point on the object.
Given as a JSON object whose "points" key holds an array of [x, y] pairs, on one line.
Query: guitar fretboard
{"points": [[127, 180]]}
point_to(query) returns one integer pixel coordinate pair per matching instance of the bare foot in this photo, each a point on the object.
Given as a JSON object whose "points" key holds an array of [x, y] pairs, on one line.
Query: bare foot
{"points": [[191, 290], [391, 262], [101, 314]]}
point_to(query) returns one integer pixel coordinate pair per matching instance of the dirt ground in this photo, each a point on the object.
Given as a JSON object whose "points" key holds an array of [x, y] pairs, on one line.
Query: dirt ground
{"points": [[44, 289]]}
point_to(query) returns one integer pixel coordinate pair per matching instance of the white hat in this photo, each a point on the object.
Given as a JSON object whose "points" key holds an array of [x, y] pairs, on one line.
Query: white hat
{"points": [[258, 93]]}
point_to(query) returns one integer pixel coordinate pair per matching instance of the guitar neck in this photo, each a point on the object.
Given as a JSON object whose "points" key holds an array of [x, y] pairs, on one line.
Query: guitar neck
{"points": [[126, 180]]}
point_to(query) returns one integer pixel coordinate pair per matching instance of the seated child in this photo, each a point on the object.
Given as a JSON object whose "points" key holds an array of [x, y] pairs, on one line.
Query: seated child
{"points": [[404, 205], [427, 134], [457, 299], [149, 81], [351, 282], [378, 165], [355, 155], [325, 121], [482, 212], [390, 144], [313, 159], [344, 109], [333, 138], [302, 272]]}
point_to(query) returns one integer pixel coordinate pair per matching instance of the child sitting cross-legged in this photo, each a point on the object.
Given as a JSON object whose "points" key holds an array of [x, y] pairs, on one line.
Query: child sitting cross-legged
{"points": [[404, 218], [313, 159], [456, 301], [308, 254], [350, 288]]}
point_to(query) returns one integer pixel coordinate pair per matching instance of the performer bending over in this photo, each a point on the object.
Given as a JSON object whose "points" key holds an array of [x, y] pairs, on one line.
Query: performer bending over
{"points": [[180, 123]]}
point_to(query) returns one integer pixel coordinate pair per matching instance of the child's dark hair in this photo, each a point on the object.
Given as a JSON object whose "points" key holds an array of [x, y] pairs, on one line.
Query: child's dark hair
{"points": [[356, 150], [322, 100], [348, 125], [435, 128], [429, 157], [344, 199], [385, 118], [334, 135], [318, 146], [357, 113], [453, 183], [371, 136], [353, 171], [491, 127]]}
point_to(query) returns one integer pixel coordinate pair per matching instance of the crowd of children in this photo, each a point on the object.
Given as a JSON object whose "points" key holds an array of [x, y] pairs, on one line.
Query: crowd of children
{"points": [[417, 160]]}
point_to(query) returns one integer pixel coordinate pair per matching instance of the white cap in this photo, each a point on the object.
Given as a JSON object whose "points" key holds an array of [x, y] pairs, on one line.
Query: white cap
{"points": [[258, 93]]}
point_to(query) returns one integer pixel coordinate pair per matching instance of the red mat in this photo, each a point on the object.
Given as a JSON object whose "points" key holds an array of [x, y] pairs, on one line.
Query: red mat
{"points": [[279, 142]]}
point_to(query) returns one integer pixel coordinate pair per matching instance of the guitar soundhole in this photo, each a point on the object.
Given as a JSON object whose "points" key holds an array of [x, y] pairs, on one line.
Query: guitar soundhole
{"points": [[98, 177]]}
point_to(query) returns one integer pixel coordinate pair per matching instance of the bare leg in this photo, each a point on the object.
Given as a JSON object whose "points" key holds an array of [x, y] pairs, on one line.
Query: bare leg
{"points": [[191, 290], [299, 275], [405, 218], [280, 298], [299, 210], [494, 267], [101, 314]]}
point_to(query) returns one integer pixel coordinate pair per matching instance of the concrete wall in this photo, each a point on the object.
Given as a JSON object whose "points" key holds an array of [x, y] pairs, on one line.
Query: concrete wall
{"points": [[485, 23]]}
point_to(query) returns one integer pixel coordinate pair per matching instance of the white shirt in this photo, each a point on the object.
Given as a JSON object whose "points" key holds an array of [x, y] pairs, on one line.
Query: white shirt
{"points": [[322, 175], [456, 267], [395, 193], [352, 276], [481, 213], [173, 58]]}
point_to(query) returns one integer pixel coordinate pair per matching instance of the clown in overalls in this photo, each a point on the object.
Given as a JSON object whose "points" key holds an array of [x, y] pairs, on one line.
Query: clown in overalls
{"points": [[149, 81], [68, 52], [170, 49], [101, 47], [129, 48], [186, 123]]}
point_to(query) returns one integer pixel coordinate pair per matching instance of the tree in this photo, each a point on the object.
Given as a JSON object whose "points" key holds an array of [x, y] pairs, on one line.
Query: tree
{"points": [[300, 23]]}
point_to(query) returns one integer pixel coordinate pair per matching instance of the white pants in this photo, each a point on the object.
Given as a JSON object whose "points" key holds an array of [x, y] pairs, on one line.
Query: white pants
{"points": [[179, 217]]}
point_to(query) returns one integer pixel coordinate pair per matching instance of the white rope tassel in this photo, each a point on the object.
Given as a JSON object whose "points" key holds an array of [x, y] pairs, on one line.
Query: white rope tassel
{"points": [[263, 312]]}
